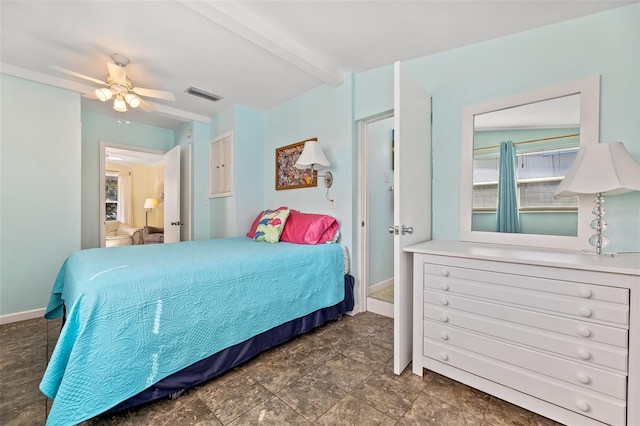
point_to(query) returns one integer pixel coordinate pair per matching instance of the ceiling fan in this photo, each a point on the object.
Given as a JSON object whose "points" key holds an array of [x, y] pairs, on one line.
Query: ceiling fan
{"points": [[120, 87]]}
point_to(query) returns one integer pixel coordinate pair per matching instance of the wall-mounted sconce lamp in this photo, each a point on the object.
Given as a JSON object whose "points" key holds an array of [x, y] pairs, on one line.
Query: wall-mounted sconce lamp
{"points": [[149, 203], [599, 168], [313, 157]]}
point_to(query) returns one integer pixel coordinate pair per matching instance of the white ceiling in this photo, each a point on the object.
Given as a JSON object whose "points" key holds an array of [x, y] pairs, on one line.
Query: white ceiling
{"points": [[255, 53]]}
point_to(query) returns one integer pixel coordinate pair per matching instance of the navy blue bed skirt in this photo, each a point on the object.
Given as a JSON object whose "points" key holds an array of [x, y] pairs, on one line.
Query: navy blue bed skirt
{"points": [[227, 359]]}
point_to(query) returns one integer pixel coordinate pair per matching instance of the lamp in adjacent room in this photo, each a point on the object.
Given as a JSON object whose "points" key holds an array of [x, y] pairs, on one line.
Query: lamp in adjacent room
{"points": [[313, 157], [601, 168], [149, 203]]}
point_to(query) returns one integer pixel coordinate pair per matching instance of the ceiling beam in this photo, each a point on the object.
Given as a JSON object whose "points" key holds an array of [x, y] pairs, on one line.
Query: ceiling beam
{"points": [[242, 22]]}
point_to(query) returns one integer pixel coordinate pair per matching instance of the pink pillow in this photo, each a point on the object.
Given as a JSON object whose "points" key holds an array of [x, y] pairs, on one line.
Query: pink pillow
{"points": [[308, 228], [254, 225]]}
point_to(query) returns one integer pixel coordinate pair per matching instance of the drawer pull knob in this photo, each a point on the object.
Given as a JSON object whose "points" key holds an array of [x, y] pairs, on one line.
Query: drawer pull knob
{"points": [[444, 301], [586, 293], [584, 331], [444, 336], [444, 273], [444, 356], [444, 286], [583, 406], [585, 312], [584, 354], [444, 318], [584, 379]]}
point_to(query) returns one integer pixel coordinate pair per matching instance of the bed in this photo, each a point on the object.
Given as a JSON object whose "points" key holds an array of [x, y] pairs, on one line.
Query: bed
{"points": [[144, 322]]}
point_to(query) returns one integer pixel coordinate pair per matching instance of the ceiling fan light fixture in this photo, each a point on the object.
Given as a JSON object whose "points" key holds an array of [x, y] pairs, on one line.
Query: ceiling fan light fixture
{"points": [[132, 100], [104, 94], [119, 104]]}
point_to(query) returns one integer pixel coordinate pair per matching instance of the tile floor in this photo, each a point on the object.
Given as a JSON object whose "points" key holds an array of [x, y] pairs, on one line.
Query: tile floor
{"points": [[339, 374]]}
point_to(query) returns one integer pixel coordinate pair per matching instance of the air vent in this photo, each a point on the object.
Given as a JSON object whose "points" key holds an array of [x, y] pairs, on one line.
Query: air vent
{"points": [[203, 94]]}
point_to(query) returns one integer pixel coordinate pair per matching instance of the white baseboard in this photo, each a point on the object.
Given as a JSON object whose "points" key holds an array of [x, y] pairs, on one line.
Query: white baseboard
{"points": [[381, 285], [22, 316], [355, 310], [380, 307]]}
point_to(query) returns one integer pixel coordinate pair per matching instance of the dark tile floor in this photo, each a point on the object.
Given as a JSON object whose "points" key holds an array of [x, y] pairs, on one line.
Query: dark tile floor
{"points": [[339, 374]]}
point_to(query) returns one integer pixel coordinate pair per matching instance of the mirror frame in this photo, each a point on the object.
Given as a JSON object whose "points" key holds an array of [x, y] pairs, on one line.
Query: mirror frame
{"points": [[589, 90]]}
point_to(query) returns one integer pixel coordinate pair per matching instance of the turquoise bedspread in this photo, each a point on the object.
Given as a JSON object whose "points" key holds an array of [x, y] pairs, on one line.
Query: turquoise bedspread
{"points": [[137, 314]]}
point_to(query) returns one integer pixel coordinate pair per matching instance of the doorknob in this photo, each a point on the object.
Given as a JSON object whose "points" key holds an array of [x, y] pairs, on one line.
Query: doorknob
{"points": [[394, 230], [407, 230], [177, 223]]}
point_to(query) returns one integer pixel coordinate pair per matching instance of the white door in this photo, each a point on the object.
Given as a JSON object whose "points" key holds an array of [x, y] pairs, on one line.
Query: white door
{"points": [[172, 220], [412, 200], [186, 232]]}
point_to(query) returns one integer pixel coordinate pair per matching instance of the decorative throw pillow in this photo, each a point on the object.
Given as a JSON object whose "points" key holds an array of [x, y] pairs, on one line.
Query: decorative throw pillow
{"points": [[254, 225], [271, 225]]}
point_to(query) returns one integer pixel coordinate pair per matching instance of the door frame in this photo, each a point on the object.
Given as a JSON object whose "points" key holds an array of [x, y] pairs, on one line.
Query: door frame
{"points": [[101, 199], [363, 205]]}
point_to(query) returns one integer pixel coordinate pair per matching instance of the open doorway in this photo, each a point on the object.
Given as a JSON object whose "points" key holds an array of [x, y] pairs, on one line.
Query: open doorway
{"points": [[376, 189], [130, 176]]}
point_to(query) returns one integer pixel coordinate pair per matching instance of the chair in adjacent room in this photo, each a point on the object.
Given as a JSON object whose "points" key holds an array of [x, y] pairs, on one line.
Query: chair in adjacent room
{"points": [[152, 235]]}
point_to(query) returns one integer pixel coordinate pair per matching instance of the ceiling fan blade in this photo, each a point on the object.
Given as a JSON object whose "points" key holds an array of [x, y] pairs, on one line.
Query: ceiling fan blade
{"points": [[146, 106], [77, 74], [117, 73], [154, 93], [90, 95]]}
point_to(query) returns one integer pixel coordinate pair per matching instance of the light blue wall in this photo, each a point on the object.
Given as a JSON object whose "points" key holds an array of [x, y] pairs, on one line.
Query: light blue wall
{"points": [[374, 92], [98, 128], [607, 44], [249, 165], [39, 189], [379, 183], [325, 113], [232, 216]]}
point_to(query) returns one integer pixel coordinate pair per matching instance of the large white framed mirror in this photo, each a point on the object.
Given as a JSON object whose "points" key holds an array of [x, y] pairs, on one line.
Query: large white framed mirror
{"points": [[536, 135]]}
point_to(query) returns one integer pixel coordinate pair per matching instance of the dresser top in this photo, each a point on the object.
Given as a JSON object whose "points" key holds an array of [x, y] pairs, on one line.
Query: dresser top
{"points": [[624, 263]]}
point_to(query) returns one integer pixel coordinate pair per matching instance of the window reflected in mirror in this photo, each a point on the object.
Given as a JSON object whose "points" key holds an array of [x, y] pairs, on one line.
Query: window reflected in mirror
{"points": [[546, 138]]}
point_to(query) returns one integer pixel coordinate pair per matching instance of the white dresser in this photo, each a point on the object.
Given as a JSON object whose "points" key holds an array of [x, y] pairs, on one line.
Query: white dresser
{"points": [[553, 331]]}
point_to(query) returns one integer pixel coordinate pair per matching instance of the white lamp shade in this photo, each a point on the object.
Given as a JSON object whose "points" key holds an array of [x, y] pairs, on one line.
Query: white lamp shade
{"points": [[104, 94], [119, 104], [132, 100], [602, 167], [312, 156], [150, 203]]}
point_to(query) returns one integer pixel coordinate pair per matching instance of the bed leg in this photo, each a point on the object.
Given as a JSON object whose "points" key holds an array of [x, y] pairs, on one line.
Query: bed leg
{"points": [[339, 317], [176, 395]]}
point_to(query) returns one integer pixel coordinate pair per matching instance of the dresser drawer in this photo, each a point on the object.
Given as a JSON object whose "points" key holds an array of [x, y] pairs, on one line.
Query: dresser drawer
{"points": [[555, 286], [583, 401], [588, 309], [587, 331], [575, 373], [577, 349]]}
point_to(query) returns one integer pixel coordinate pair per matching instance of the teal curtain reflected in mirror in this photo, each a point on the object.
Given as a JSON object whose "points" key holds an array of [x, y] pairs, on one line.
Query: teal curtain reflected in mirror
{"points": [[508, 214]]}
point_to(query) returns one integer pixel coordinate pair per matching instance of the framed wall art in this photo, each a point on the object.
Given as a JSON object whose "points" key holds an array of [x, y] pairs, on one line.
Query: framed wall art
{"points": [[288, 176]]}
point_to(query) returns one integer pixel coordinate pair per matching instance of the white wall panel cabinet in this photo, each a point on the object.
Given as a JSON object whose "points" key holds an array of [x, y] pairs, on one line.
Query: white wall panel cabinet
{"points": [[221, 166], [556, 332]]}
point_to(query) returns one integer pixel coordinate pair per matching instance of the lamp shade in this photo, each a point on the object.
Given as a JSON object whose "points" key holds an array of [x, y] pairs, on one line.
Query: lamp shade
{"points": [[132, 100], [312, 156], [104, 94], [150, 203], [599, 168], [119, 104]]}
